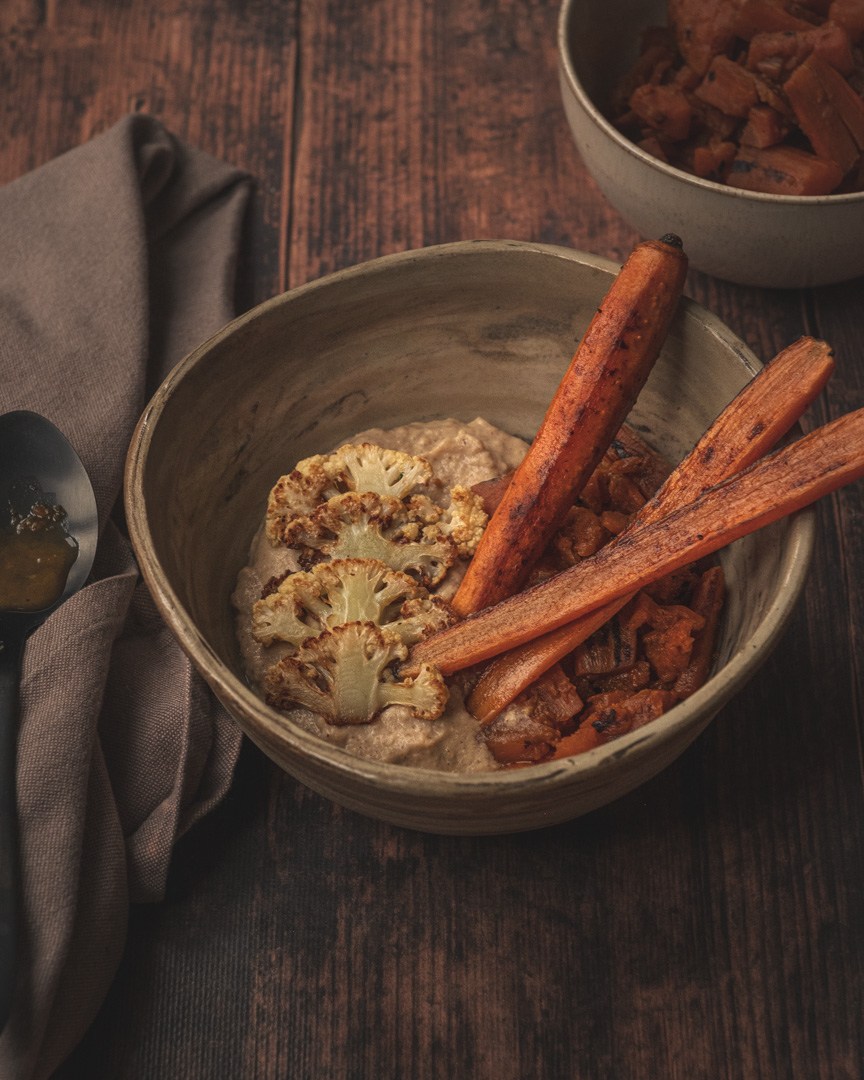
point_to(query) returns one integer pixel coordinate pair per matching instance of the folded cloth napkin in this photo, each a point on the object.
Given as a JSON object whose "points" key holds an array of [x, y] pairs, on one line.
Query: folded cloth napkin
{"points": [[118, 258]]}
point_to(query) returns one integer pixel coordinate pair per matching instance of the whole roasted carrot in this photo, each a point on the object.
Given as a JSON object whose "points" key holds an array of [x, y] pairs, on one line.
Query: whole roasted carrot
{"points": [[599, 388], [785, 481], [763, 411]]}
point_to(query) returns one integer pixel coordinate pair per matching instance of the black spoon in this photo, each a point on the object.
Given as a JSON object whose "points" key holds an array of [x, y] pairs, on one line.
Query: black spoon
{"points": [[41, 476]]}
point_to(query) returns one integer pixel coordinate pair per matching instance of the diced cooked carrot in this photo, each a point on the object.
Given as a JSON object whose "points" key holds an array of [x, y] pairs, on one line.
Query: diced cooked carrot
{"points": [[717, 122], [787, 480], [712, 162], [761, 16], [764, 127], [808, 91], [707, 601], [531, 725], [624, 495], [614, 521], [834, 45], [728, 87], [783, 170], [580, 536], [687, 78], [770, 95], [703, 28], [775, 55], [595, 395], [583, 739], [632, 679], [608, 715], [664, 109], [648, 705], [614, 647], [843, 99], [669, 644], [850, 15]]}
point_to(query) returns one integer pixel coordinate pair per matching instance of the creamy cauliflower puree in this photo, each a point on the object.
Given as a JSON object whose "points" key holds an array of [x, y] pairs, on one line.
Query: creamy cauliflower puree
{"points": [[459, 454]]}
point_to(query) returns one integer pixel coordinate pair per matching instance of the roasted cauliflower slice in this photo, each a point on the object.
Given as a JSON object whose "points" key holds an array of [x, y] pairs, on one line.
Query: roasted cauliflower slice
{"points": [[297, 495], [363, 468], [364, 525], [346, 676], [344, 591], [372, 468]]}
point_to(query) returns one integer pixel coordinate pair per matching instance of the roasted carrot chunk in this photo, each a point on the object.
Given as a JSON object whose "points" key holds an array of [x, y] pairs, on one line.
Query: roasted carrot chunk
{"points": [[530, 727], [765, 127], [703, 28], [850, 15], [783, 170], [712, 162], [776, 55], [761, 16], [665, 109], [707, 601], [838, 96], [812, 89], [728, 87]]}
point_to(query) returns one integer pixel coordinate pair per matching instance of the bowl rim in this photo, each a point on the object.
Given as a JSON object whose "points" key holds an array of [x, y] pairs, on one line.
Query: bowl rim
{"points": [[263, 724], [565, 19]]}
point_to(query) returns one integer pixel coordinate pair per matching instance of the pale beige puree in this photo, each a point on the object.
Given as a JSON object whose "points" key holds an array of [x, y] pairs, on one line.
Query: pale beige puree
{"points": [[459, 453]]}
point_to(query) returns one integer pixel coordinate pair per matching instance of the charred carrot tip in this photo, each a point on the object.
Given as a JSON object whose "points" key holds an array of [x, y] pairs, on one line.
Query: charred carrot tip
{"points": [[672, 240]]}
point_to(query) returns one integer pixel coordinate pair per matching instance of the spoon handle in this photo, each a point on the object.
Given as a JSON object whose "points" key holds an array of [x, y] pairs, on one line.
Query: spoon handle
{"points": [[10, 665]]}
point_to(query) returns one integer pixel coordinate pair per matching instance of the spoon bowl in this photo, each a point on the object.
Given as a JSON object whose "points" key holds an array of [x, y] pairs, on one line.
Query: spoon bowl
{"points": [[37, 465]]}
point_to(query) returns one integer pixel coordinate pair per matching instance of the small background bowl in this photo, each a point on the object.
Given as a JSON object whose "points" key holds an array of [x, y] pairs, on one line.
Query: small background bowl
{"points": [[779, 241], [478, 328]]}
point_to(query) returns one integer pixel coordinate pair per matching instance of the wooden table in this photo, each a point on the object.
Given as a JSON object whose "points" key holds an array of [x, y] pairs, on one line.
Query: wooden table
{"points": [[709, 925]]}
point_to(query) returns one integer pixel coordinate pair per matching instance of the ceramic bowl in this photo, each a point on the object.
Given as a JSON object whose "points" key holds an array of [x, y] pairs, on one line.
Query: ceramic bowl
{"points": [[778, 241], [470, 329]]}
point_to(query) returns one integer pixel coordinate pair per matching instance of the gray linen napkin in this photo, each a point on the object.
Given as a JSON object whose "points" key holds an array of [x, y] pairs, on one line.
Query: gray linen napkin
{"points": [[117, 259]]}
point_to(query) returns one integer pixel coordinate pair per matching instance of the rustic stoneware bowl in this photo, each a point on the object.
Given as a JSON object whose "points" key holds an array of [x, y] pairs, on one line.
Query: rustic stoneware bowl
{"points": [[463, 330], [779, 241]]}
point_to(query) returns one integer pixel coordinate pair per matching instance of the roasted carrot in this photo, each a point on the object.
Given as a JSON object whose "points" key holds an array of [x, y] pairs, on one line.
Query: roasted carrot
{"points": [[749, 426], [492, 491], [599, 387], [774, 487]]}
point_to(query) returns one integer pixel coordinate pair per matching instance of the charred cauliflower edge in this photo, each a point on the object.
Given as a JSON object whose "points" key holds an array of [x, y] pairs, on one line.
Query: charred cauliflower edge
{"points": [[370, 549]]}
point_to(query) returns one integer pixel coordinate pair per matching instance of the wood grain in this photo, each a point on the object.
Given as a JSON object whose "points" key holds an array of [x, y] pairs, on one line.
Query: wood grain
{"points": [[707, 926]]}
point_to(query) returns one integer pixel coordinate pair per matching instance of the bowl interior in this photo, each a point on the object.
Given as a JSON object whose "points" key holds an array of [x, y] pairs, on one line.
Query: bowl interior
{"points": [[464, 330], [600, 51]]}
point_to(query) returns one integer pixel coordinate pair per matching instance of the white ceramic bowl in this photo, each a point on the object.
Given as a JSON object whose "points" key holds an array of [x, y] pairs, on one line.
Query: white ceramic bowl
{"points": [[779, 241], [484, 328]]}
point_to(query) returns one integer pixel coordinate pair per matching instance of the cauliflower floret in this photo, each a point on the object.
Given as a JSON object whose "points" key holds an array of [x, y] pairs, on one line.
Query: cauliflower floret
{"points": [[363, 468], [345, 676], [465, 520], [368, 526], [372, 468], [348, 590]]}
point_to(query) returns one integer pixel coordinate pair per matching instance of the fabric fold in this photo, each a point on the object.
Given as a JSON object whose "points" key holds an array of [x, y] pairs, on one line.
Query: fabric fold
{"points": [[120, 258]]}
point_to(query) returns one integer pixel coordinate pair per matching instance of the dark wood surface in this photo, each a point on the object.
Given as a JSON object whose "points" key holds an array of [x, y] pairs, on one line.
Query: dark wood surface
{"points": [[711, 924]]}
